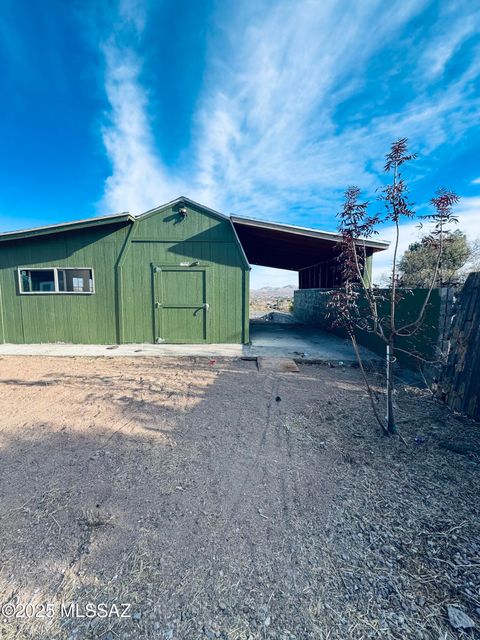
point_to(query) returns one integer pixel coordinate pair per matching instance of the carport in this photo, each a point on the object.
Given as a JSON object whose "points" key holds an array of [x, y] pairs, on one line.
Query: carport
{"points": [[310, 252], [314, 255]]}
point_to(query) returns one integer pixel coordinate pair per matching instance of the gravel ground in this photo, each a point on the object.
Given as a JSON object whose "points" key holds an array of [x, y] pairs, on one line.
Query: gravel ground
{"points": [[219, 501]]}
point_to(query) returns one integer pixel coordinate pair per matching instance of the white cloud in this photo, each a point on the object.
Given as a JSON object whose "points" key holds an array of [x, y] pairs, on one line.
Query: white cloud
{"points": [[133, 14], [456, 22], [139, 180], [267, 138], [476, 181], [267, 132]]}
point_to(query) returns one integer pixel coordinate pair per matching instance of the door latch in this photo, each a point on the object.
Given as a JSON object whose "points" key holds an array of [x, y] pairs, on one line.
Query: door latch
{"points": [[158, 305], [206, 306]]}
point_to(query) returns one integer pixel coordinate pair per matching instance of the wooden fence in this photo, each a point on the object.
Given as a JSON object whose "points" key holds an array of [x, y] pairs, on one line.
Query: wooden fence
{"points": [[460, 380]]}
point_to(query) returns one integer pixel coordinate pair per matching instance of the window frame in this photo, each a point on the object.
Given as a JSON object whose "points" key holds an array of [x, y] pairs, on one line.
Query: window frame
{"points": [[55, 279]]}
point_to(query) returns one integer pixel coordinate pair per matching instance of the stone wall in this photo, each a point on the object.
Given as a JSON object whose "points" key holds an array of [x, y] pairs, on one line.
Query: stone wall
{"points": [[310, 307], [459, 384]]}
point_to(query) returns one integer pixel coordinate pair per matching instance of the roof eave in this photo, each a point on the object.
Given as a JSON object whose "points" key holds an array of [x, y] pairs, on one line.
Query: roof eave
{"points": [[117, 218], [378, 245]]}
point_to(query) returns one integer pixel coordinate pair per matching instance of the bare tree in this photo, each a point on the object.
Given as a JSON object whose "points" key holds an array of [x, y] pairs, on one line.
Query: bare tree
{"points": [[355, 306]]}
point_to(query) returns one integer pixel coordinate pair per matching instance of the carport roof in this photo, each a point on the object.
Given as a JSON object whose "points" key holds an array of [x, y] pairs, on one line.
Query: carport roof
{"points": [[284, 246]]}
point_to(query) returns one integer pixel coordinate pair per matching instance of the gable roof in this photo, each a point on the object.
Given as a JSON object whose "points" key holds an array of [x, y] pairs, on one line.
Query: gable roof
{"points": [[48, 229]]}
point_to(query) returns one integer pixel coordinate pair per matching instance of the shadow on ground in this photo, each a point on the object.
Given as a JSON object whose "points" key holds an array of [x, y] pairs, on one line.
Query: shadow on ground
{"points": [[220, 501]]}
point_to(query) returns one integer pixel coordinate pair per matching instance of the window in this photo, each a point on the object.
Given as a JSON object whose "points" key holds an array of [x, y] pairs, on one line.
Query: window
{"points": [[37, 280], [75, 280], [55, 280]]}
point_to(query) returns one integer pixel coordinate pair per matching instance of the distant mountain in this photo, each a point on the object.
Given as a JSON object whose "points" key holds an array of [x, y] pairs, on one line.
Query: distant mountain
{"points": [[273, 292]]}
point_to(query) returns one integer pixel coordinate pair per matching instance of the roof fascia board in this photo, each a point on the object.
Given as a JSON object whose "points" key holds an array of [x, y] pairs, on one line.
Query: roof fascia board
{"points": [[240, 246]]}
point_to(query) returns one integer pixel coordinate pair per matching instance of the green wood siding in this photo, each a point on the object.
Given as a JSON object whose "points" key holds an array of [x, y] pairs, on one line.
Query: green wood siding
{"points": [[122, 308], [165, 238], [74, 318]]}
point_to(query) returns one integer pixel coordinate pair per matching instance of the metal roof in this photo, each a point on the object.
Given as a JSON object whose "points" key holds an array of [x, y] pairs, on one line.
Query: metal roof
{"points": [[66, 226], [283, 246], [332, 236]]}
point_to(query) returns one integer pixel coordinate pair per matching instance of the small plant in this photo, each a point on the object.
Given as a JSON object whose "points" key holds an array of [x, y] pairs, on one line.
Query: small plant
{"points": [[355, 306], [93, 518]]}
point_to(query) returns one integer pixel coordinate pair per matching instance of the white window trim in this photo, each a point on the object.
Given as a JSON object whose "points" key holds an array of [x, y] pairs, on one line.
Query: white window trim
{"points": [[55, 277]]}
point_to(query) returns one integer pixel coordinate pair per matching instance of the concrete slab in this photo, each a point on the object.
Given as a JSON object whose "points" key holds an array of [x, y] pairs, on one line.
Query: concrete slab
{"points": [[284, 365], [269, 339], [302, 341]]}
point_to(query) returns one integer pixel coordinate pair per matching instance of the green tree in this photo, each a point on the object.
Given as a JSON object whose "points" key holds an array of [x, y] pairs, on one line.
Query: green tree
{"points": [[419, 262]]}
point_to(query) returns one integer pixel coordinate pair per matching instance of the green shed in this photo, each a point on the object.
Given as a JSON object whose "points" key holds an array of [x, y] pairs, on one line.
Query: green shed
{"points": [[178, 274]]}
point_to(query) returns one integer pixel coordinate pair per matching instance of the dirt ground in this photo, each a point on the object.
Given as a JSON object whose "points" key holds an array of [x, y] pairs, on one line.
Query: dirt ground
{"points": [[219, 501]]}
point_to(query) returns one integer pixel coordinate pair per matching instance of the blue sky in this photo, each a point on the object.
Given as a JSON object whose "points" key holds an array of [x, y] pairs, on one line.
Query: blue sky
{"points": [[265, 109]]}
